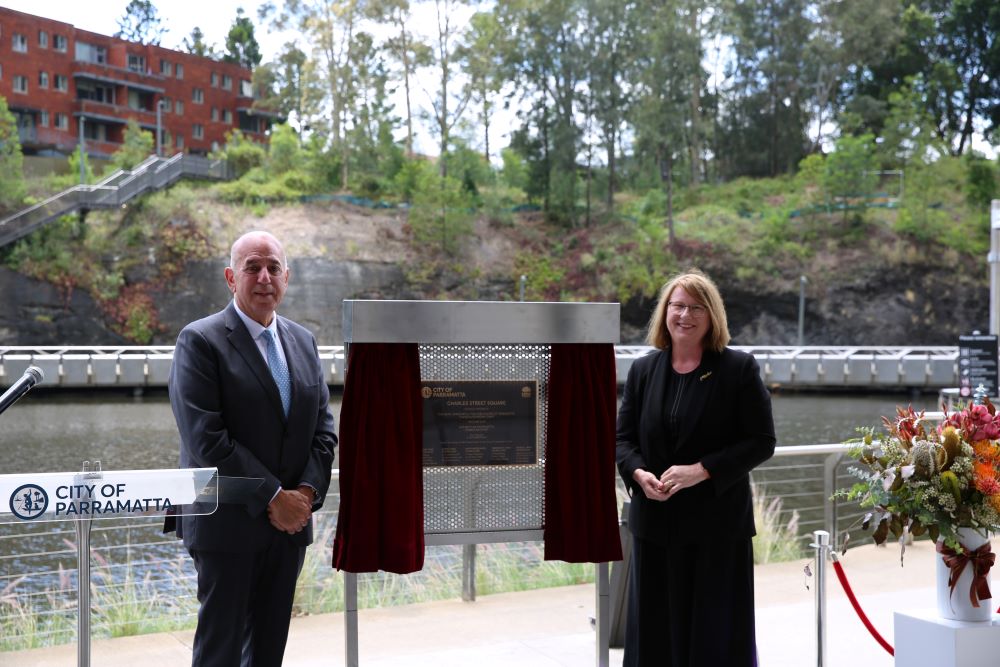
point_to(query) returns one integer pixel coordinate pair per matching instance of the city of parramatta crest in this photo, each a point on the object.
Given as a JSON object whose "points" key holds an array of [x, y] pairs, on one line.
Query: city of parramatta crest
{"points": [[29, 501]]}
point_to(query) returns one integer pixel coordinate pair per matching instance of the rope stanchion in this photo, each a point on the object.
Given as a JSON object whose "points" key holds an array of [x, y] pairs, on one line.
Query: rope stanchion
{"points": [[857, 608]]}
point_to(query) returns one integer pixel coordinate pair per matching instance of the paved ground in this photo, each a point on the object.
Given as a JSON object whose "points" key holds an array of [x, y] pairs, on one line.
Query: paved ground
{"points": [[551, 627]]}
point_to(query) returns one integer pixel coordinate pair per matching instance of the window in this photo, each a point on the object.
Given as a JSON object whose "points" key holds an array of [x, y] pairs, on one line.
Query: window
{"points": [[178, 107], [179, 141], [136, 63], [1, 70], [20, 84], [165, 68], [165, 104], [43, 39], [246, 88], [59, 43], [197, 131], [95, 131], [62, 121], [179, 71], [62, 82], [227, 116], [227, 82], [197, 96], [43, 79], [90, 90], [215, 115], [215, 80], [19, 42], [43, 118], [91, 54]]}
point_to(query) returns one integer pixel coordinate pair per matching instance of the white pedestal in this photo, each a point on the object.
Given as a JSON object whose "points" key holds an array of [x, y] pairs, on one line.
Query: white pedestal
{"points": [[922, 639]]}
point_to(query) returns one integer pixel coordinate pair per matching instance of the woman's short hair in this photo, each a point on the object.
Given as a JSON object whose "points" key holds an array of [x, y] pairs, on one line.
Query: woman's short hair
{"points": [[702, 289]]}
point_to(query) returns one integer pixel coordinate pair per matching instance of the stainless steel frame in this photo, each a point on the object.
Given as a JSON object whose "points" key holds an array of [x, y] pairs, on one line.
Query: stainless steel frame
{"points": [[487, 340]]}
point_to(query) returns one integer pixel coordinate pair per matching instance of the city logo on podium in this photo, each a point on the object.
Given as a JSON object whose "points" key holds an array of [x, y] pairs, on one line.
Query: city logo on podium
{"points": [[28, 502]]}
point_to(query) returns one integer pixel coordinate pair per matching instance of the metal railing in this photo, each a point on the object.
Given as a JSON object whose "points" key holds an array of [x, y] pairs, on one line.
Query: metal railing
{"points": [[114, 191], [133, 553], [896, 368]]}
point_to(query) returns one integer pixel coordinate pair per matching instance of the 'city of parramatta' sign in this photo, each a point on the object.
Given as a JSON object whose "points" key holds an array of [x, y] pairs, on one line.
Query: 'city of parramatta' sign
{"points": [[480, 422], [108, 494]]}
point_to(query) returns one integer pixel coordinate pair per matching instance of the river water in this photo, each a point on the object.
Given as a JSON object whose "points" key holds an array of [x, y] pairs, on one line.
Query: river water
{"points": [[55, 433]]}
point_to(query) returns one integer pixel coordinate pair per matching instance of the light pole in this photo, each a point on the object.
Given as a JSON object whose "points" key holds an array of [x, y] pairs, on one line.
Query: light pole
{"points": [[83, 177], [802, 308], [159, 131]]}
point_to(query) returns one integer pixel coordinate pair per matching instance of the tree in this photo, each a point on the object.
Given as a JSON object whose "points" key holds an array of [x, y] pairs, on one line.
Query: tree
{"points": [[667, 75], [447, 110], [850, 170], [137, 146], [12, 188], [141, 23], [405, 48], [195, 43], [482, 57], [329, 26], [764, 119], [544, 60], [241, 45], [284, 84]]}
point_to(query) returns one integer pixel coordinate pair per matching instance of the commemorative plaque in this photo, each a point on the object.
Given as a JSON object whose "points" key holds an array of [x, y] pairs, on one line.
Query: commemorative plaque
{"points": [[480, 422]]}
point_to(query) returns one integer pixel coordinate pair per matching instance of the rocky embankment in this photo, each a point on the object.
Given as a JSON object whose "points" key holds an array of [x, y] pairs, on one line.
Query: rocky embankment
{"points": [[337, 253]]}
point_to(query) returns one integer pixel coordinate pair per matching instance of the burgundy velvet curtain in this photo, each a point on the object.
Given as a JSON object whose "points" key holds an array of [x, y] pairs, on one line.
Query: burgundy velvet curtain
{"points": [[581, 510], [381, 520]]}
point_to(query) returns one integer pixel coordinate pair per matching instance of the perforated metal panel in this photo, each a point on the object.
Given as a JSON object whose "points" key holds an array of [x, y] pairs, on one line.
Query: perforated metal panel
{"points": [[487, 498]]}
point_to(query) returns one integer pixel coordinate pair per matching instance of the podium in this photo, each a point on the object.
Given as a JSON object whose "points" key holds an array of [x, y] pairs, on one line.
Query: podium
{"points": [[93, 494], [922, 638]]}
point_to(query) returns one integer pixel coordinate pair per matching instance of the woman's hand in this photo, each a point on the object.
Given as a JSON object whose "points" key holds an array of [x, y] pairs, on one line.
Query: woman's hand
{"points": [[650, 485], [676, 478]]}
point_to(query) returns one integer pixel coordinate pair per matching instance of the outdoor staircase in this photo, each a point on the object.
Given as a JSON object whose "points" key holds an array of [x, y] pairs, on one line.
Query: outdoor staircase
{"points": [[155, 173]]}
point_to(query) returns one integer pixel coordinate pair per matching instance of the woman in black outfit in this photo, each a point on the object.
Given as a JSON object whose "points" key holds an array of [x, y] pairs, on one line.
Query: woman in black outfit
{"points": [[695, 419]]}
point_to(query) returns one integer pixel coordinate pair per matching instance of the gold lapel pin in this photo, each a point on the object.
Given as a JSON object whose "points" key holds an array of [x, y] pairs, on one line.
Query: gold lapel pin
{"points": [[704, 377]]}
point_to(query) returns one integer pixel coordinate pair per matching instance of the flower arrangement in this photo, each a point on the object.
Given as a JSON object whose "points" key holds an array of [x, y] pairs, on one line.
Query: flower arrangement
{"points": [[918, 477]]}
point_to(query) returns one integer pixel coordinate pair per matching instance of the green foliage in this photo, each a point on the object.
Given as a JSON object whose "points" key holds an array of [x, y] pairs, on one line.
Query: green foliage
{"points": [[74, 167], [776, 541], [542, 276], [241, 44], [409, 178], [241, 154], [514, 172], [12, 186], [137, 146], [285, 154], [848, 172], [141, 23], [442, 212], [981, 182]]}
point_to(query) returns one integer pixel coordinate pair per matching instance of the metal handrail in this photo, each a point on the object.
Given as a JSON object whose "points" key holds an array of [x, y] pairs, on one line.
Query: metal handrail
{"points": [[113, 191]]}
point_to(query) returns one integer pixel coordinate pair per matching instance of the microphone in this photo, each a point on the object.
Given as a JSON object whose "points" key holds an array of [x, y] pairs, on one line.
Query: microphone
{"points": [[31, 377]]}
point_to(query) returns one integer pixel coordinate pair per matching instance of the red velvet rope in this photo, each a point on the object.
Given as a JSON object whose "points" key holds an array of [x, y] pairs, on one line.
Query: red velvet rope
{"points": [[857, 607]]}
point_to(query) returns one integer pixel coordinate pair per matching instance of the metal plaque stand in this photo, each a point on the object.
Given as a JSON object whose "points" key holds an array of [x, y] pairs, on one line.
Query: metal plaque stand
{"points": [[475, 340]]}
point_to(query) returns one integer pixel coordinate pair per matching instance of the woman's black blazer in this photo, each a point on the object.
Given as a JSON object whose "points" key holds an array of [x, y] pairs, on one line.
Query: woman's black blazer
{"points": [[729, 429]]}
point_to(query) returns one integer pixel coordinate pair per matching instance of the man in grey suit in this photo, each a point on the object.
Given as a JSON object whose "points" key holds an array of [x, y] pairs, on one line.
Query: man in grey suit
{"points": [[250, 398]]}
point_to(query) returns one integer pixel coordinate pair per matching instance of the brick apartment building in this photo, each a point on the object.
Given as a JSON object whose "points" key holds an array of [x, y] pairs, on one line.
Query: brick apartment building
{"points": [[55, 77]]}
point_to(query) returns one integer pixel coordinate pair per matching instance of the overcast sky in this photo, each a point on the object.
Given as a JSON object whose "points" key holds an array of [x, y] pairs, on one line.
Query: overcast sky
{"points": [[215, 17]]}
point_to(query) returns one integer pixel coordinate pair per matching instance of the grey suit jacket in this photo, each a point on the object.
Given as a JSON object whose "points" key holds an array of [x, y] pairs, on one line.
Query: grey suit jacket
{"points": [[229, 415]]}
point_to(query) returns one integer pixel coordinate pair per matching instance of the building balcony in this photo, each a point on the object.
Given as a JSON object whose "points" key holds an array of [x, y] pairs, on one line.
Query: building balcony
{"points": [[119, 76], [114, 113]]}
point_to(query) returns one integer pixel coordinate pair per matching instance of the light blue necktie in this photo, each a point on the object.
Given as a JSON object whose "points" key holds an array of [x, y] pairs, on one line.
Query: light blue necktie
{"points": [[279, 371]]}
